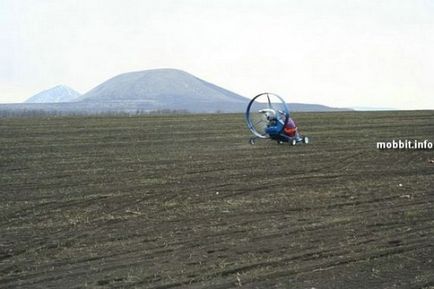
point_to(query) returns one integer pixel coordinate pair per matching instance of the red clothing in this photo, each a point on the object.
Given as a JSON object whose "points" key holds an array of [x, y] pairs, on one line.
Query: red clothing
{"points": [[290, 128]]}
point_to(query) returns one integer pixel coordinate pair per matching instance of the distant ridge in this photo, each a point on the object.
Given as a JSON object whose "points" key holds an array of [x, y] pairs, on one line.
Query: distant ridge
{"points": [[59, 93], [148, 91], [159, 89], [369, 108], [313, 107]]}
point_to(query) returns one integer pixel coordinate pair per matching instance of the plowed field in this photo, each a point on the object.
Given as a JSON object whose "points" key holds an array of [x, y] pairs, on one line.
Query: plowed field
{"points": [[186, 202]]}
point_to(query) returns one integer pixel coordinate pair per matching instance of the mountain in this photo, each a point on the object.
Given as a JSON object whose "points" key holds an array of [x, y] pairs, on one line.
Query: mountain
{"points": [[156, 90], [160, 89], [59, 93]]}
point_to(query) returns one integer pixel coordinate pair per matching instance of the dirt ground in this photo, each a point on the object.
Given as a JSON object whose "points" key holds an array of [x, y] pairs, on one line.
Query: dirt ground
{"points": [[187, 202]]}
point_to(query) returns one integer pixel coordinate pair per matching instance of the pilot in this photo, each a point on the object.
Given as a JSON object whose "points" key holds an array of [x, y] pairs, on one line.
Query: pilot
{"points": [[275, 125], [290, 128]]}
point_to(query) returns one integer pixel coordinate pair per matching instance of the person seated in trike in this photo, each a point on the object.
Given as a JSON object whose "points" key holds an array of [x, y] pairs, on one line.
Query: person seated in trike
{"points": [[282, 132]]}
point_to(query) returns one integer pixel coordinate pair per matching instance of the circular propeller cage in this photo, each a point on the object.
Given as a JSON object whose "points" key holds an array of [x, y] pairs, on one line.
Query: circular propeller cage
{"points": [[262, 110]]}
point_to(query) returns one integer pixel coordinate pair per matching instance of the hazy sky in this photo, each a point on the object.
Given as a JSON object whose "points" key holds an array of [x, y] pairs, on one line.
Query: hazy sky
{"points": [[346, 53]]}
